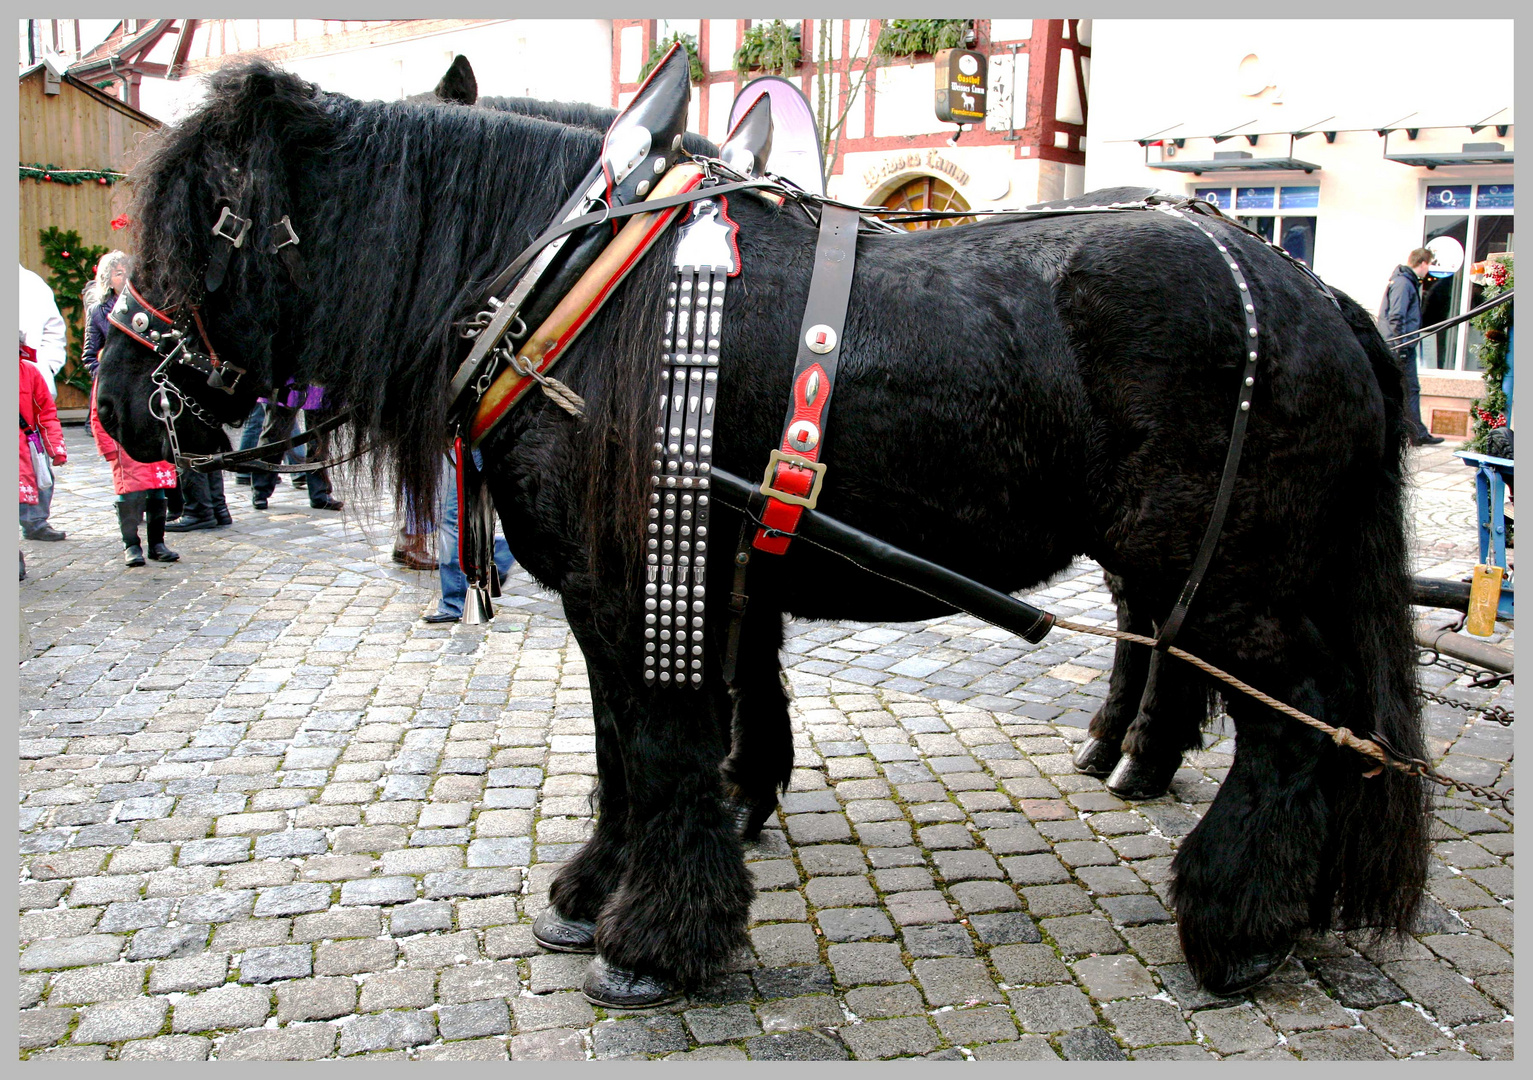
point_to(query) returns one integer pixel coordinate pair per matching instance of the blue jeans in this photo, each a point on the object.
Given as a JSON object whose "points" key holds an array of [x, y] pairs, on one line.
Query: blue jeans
{"points": [[1412, 392], [454, 581], [251, 437]]}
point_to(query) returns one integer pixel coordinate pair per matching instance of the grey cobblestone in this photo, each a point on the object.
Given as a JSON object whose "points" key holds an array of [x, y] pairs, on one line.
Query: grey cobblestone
{"points": [[258, 767]]}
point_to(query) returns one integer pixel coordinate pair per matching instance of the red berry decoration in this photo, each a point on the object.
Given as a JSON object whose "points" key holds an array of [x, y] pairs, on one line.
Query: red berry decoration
{"points": [[47, 176], [63, 254], [100, 179]]}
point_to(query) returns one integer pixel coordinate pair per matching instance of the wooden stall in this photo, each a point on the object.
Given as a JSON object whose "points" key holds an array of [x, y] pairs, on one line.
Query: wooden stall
{"points": [[73, 125]]}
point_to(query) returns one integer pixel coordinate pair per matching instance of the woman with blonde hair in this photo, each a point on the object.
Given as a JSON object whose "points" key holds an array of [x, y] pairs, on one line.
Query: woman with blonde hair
{"points": [[100, 297]]}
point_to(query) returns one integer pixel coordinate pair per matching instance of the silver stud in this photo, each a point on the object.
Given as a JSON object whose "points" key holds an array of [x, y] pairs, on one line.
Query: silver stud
{"points": [[820, 338], [1250, 380], [1244, 406], [1250, 308], [1251, 355], [1252, 331]]}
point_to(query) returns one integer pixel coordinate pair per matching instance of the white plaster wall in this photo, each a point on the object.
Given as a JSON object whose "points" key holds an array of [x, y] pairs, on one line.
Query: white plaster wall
{"points": [[1149, 75], [559, 59]]}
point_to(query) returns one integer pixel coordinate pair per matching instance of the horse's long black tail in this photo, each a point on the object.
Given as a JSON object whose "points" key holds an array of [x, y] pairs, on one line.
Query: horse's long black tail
{"points": [[1380, 845]]}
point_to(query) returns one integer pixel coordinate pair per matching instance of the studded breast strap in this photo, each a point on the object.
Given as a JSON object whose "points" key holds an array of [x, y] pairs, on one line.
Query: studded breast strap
{"points": [[676, 536]]}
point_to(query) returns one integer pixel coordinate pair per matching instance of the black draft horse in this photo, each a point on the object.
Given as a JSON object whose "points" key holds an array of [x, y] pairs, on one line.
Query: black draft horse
{"points": [[1011, 394]]}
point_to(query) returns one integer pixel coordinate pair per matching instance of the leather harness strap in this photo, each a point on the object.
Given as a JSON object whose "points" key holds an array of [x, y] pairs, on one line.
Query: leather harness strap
{"points": [[1205, 555], [795, 473]]}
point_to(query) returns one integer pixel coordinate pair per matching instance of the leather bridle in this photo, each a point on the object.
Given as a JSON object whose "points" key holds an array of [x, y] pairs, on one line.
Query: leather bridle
{"points": [[181, 342]]}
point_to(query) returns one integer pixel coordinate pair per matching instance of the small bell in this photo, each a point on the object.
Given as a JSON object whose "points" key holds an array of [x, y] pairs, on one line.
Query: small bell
{"points": [[476, 606]]}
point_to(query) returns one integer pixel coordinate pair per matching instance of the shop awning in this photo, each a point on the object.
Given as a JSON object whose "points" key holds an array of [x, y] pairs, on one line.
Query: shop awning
{"points": [[1431, 159], [1236, 164]]}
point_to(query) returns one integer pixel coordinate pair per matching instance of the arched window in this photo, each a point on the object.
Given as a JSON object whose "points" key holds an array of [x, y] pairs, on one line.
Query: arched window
{"points": [[927, 193]]}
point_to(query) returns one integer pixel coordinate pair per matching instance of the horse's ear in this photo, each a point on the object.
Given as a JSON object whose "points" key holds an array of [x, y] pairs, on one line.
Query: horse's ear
{"points": [[459, 83]]}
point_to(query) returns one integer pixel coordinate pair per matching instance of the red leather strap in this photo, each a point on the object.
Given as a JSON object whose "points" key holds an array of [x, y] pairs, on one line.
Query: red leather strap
{"points": [[819, 352], [794, 479]]}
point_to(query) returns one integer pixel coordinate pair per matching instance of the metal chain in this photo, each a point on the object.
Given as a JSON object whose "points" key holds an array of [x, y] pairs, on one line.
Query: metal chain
{"points": [[1375, 748], [1484, 679], [1496, 713]]}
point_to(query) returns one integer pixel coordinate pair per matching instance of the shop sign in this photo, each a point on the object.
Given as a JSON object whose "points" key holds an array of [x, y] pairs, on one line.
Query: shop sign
{"points": [[927, 160], [962, 76]]}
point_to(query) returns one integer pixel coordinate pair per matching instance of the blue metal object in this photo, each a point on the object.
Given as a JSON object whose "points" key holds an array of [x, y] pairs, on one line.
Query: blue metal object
{"points": [[1491, 475], [1506, 380]]}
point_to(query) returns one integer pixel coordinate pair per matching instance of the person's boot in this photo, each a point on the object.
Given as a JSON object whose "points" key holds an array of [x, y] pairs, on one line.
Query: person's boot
{"points": [[410, 551], [157, 549], [189, 523], [130, 514]]}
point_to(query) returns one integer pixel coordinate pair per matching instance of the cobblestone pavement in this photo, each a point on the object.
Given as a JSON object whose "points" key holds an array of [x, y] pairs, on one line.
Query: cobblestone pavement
{"points": [[267, 813]]}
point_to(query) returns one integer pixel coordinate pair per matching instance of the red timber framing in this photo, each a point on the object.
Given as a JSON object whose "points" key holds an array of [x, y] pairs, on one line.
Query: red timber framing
{"points": [[1037, 134], [122, 58]]}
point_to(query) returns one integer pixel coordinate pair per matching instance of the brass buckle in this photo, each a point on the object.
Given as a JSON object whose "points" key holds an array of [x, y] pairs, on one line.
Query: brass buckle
{"points": [[800, 461], [238, 237]]}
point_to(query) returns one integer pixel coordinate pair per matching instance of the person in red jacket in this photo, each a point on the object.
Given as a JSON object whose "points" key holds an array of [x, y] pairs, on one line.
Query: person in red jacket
{"points": [[39, 422], [140, 488]]}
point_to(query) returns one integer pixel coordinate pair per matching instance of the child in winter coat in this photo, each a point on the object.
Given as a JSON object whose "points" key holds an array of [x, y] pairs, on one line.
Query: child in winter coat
{"points": [[40, 418], [140, 488]]}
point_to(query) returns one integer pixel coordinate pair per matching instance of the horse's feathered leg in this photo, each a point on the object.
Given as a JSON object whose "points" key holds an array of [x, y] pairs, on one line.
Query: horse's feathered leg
{"points": [[760, 761], [1169, 722], [1154, 711], [583, 884], [1130, 665], [681, 910], [1247, 880]]}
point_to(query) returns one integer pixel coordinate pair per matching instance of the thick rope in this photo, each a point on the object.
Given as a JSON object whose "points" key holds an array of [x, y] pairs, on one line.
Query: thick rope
{"points": [[1340, 736], [560, 394]]}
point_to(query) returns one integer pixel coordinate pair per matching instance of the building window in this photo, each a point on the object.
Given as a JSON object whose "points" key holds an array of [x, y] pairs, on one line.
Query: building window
{"points": [[1463, 224], [1283, 215], [927, 193]]}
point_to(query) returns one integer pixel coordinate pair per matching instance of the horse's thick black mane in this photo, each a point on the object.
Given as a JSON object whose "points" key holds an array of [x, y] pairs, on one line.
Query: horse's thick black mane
{"points": [[400, 227], [580, 114]]}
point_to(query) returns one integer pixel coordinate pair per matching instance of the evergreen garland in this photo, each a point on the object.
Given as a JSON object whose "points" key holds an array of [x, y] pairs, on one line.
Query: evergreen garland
{"points": [[72, 266], [908, 37], [772, 48], [1491, 410], [52, 174], [658, 49]]}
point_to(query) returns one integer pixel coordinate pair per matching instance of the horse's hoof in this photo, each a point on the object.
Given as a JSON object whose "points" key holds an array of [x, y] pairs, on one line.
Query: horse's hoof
{"points": [[1243, 974], [1132, 778], [618, 988], [1096, 757], [748, 818], [553, 931]]}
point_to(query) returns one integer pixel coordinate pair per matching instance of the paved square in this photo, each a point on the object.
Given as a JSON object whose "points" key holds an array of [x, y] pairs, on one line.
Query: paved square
{"points": [[267, 813]]}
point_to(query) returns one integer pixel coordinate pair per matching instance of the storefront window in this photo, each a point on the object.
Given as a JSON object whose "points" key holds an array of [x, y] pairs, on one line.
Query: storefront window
{"points": [[1442, 295], [1293, 229], [1469, 222], [1255, 198], [1492, 234]]}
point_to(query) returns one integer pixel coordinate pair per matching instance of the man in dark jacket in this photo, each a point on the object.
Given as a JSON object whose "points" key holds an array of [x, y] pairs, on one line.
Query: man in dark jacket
{"points": [[1400, 314]]}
